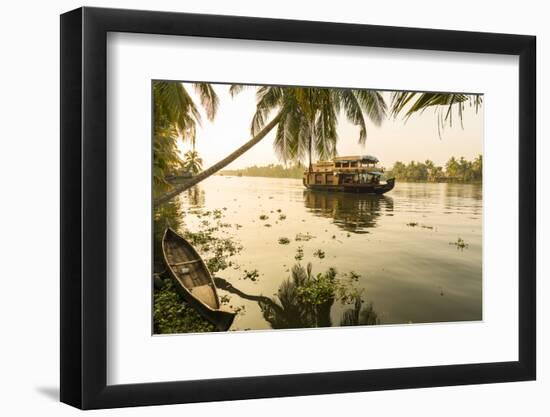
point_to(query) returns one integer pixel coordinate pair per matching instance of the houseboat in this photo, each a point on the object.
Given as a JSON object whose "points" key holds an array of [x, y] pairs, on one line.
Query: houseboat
{"points": [[354, 174]]}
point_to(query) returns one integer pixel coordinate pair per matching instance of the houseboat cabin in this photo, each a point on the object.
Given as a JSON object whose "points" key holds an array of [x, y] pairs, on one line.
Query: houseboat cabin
{"points": [[358, 174]]}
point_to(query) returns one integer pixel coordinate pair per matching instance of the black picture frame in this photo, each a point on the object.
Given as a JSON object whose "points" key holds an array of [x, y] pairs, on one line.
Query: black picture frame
{"points": [[84, 207]]}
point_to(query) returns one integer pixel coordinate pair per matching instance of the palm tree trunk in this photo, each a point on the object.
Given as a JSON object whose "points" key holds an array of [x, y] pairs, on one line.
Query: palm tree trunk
{"points": [[310, 144], [219, 165], [310, 154]]}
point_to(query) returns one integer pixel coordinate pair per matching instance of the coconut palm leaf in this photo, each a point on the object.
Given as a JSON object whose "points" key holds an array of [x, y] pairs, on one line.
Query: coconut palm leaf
{"points": [[373, 104], [411, 102], [354, 112], [209, 99]]}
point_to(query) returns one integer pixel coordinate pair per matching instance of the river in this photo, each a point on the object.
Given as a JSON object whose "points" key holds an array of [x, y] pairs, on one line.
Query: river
{"points": [[401, 245]]}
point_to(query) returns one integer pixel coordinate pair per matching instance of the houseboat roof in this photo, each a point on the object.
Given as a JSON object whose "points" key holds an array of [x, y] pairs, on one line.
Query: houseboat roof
{"points": [[363, 158]]}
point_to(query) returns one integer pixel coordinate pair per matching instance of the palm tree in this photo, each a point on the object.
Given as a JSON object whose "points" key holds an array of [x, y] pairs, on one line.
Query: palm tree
{"points": [[443, 103], [452, 167], [176, 116], [306, 120], [477, 167], [192, 162]]}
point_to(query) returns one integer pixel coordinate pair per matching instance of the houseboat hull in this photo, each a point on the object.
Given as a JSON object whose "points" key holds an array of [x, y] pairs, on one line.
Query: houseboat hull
{"points": [[354, 188]]}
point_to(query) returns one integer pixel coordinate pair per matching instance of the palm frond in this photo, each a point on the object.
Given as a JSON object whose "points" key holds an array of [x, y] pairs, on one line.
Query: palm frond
{"points": [[209, 99], [372, 102], [267, 99], [354, 113], [237, 88]]}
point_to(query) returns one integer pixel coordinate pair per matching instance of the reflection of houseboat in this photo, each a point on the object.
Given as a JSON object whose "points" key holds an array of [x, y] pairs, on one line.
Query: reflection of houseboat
{"points": [[354, 174]]}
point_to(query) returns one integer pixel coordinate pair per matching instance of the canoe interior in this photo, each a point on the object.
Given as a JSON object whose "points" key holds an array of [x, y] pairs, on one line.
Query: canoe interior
{"points": [[190, 270]]}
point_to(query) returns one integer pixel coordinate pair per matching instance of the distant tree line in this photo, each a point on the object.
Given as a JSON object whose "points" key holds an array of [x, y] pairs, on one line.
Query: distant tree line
{"points": [[455, 170], [271, 170]]}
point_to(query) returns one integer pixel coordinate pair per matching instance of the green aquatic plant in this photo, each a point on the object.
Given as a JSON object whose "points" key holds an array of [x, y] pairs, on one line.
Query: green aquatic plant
{"points": [[460, 244], [303, 237], [284, 241], [319, 253], [282, 217], [319, 289], [215, 250], [299, 253], [251, 275], [171, 314], [412, 224], [264, 217]]}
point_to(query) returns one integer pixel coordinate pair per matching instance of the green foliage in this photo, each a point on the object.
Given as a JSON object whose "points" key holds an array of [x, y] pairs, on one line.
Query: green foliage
{"points": [[460, 244], [309, 117], [251, 275], [443, 104], [319, 253], [303, 237], [456, 170], [172, 315], [319, 289], [176, 117], [305, 300], [170, 312], [192, 162]]}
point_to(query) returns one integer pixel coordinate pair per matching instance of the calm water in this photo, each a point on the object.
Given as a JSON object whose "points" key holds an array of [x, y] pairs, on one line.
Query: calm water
{"points": [[408, 273]]}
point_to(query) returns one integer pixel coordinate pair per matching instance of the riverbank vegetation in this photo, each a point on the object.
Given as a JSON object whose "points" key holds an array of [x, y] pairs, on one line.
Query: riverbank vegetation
{"points": [[455, 170], [271, 170], [171, 314]]}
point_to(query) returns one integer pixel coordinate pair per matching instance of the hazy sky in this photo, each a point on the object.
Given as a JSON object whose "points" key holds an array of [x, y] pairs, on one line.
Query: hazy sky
{"points": [[395, 140]]}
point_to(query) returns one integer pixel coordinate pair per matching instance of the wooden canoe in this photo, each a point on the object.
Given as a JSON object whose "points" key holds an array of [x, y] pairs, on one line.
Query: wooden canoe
{"points": [[193, 279]]}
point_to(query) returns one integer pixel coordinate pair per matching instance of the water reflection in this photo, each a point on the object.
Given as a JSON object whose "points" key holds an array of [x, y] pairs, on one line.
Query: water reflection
{"points": [[353, 213], [166, 216], [196, 196], [291, 310], [428, 280], [360, 315]]}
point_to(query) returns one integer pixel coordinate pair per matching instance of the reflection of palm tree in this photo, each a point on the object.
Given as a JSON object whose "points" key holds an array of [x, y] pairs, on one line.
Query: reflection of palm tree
{"points": [[351, 212], [306, 121], [226, 286], [289, 310], [359, 315], [293, 311], [167, 216], [196, 196]]}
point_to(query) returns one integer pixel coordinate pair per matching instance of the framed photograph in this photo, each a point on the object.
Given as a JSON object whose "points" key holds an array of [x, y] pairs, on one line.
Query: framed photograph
{"points": [[258, 208]]}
